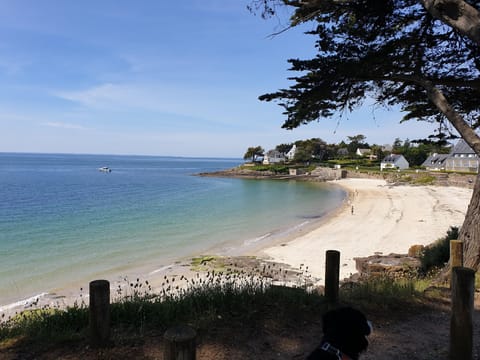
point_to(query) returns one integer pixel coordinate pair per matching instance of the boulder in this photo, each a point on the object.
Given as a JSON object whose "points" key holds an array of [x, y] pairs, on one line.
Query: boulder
{"points": [[416, 251], [393, 264]]}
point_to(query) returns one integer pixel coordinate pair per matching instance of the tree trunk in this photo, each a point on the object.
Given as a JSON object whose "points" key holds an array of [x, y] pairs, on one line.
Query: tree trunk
{"points": [[458, 14], [470, 231]]}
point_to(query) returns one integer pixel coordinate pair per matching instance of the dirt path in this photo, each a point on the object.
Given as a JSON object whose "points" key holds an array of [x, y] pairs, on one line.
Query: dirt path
{"points": [[423, 337]]}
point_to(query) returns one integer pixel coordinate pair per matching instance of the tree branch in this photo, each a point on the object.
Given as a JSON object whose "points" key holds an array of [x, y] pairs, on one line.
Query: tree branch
{"points": [[465, 131], [458, 14]]}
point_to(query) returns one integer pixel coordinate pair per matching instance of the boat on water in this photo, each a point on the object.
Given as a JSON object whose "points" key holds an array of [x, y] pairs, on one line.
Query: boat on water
{"points": [[105, 169]]}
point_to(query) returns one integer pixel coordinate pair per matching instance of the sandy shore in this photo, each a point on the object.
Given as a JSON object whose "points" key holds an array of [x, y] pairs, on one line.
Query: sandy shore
{"points": [[386, 219]]}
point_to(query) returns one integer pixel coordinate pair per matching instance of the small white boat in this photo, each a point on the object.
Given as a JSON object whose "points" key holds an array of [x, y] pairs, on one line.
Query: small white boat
{"points": [[105, 169]]}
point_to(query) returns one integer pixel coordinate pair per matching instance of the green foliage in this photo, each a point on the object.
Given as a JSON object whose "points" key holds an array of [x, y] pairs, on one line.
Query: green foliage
{"points": [[438, 253], [314, 149], [424, 179], [283, 148], [45, 323], [200, 301], [274, 168], [253, 153], [381, 290], [393, 51]]}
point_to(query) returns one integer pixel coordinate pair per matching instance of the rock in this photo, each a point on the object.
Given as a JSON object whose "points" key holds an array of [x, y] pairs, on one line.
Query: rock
{"points": [[416, 251], [393, 264]]}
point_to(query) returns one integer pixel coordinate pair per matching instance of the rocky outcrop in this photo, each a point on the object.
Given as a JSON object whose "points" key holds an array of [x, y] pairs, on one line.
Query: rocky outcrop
{"points": [[391, 265]]}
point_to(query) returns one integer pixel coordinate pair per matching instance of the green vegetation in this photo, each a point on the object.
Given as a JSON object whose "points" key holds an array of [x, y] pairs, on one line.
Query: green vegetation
{"points": [[437, 254], [316, 151], [253, 152], [205, 300], [424, 179], [198, 263], [385, 291], [201, 302], [274, 168]]}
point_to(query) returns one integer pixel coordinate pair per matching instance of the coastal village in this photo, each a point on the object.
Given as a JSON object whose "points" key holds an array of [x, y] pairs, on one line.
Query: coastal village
{"points": [[458, 157]]}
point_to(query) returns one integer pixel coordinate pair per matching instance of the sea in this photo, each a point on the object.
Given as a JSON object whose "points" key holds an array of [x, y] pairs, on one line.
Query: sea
{"points": [[64, 222]]}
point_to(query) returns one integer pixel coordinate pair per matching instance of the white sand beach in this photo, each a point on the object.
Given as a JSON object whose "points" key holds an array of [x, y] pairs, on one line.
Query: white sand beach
{"points": [[386, 219]]}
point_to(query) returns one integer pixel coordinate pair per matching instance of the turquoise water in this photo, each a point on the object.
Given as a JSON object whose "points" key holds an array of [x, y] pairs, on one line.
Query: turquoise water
{"points": [[63, 221]]}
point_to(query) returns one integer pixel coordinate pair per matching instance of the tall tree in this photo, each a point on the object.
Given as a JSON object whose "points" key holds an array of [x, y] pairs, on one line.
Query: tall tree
{"points": [[355, 142], [253, 153], [420, 55], [283, 148]]}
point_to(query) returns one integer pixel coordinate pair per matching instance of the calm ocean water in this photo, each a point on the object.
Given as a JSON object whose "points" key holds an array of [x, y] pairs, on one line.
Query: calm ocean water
{"points": [[62, 221]]}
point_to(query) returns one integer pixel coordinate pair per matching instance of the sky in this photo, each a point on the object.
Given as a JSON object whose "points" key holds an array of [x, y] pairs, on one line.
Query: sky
{"points": [[157, 77]]}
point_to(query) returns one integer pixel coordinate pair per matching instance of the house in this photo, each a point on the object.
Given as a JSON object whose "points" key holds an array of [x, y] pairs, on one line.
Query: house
{"points": [[366, 153], [362, 152], [273, 157], [436, 162], [394, 161], [291, 153], [462, 158]]}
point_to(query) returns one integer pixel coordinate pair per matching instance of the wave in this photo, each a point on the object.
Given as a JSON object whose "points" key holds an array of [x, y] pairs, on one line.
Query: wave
{"points": [[23, 303], [163, 268], [257, 239]]}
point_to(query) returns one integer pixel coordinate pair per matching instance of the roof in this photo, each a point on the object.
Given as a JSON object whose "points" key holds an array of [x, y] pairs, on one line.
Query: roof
{"points": [[462, 148], [392, 158], [435, 159], [275, 153]]}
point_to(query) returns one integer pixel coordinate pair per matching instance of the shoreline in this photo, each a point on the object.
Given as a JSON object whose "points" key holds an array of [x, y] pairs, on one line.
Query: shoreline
{"points": [[386, 218]]}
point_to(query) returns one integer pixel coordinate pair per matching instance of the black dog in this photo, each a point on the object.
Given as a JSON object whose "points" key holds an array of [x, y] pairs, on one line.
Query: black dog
{"points": [[344, 335]]}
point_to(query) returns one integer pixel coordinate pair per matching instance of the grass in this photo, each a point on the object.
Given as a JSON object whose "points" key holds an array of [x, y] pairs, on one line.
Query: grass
{"points": [[424, 179], [386, 291], [274, 168], [232, 298], [199, 301]]}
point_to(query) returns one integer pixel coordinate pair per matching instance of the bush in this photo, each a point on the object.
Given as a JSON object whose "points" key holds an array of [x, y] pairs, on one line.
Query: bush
{"points": [[276, 169], [438, 253]]}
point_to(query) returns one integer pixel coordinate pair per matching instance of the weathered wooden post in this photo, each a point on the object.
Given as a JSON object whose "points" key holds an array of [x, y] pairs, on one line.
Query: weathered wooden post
{"points": [[99, 317], [180, 343], [456, 253], [461, 322], [332, 275]]}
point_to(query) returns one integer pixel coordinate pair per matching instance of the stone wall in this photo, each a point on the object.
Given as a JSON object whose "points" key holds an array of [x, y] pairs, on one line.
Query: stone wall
{"points": [[325, 173]]}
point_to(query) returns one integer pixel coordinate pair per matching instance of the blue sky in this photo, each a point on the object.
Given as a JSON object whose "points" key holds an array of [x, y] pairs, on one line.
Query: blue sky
{"points": [[156, 77]]}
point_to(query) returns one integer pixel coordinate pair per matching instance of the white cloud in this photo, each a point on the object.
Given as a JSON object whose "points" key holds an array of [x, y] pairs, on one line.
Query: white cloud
{"points": [[64, 125], [210, 104]]}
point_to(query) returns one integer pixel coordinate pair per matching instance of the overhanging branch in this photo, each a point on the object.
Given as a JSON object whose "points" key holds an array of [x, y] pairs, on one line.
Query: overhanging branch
{"points": [[458, 14], [439, 100]]}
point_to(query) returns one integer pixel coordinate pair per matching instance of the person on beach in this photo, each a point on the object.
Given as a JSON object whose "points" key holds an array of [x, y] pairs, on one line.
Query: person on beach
{"points": [[352, 209]]}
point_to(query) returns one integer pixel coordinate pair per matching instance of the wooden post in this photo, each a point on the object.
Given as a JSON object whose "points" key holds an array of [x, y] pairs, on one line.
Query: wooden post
{"points": [[461, 322], [99, 313], [332, 275], [456, 253], [180, 343]]}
